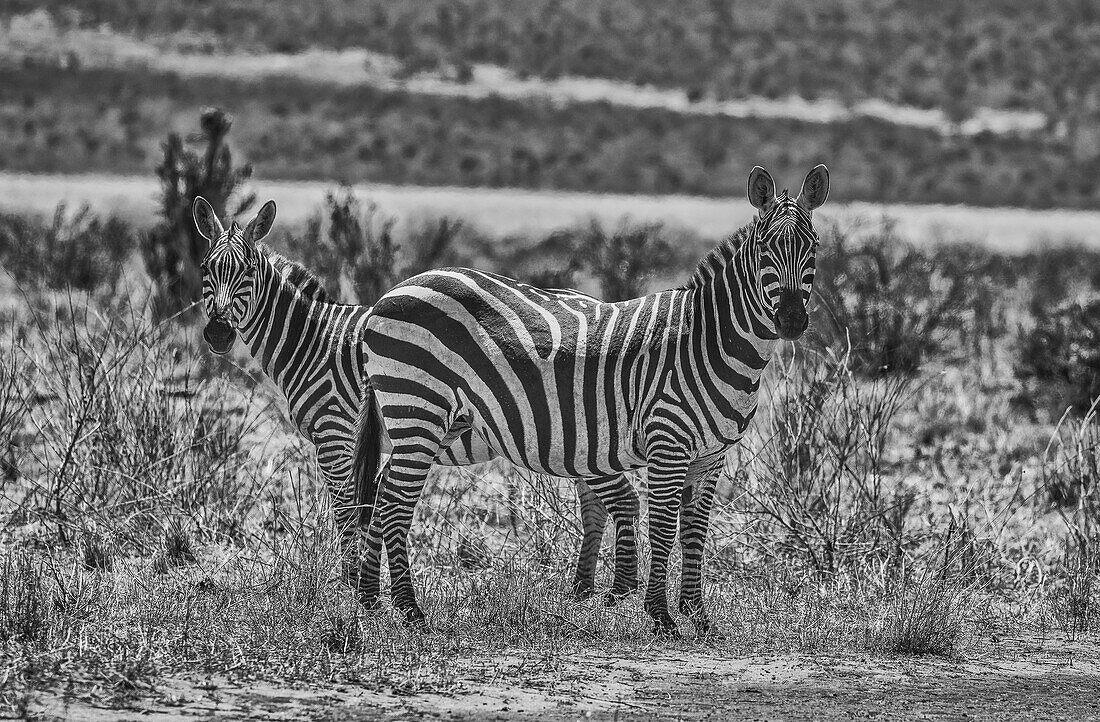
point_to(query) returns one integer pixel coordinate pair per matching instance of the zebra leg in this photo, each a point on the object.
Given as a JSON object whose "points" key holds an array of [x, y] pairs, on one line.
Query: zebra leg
{"points": [[409, 466], [666, 480], [354, 553], [593, 521], [694, 523], [334, 461], [620, 499]]}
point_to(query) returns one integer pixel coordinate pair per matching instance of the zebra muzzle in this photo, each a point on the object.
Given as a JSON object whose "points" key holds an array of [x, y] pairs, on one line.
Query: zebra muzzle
{"points": [[219, 335], [790, 316]]}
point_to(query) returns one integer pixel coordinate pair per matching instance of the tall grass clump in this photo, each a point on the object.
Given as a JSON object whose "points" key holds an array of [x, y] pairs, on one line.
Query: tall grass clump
{"points": [[1071, 477], [891, 304], [71, 250], [924, 613], [26, 601], [173, 249]]}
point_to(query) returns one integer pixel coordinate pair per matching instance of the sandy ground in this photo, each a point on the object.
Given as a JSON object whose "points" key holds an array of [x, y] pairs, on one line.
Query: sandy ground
{"points": [[1019, 679]]}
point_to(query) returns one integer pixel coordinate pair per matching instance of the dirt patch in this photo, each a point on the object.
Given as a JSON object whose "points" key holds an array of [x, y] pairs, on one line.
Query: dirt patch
{"points": [[1051, 680]]}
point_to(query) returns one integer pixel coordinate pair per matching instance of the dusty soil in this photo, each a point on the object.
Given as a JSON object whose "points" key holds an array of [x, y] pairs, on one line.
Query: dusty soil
{"points": [[1017, 679]]}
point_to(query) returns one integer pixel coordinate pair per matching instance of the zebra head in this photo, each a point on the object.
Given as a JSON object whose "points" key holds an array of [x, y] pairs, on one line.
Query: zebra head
{"points": [[787, 246], [228, 270]]}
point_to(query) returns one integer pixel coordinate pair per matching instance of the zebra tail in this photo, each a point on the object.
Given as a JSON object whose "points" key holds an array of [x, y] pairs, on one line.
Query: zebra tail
{"points": [[368, 455]]}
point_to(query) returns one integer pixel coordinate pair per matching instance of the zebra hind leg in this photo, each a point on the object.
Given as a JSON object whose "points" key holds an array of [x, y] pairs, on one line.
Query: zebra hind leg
{"points": [[593, 521], [409, 466]]}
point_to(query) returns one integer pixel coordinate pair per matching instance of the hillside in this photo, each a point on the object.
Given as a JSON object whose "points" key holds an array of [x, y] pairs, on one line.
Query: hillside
{"points": [[996, 53], [66, 114]]}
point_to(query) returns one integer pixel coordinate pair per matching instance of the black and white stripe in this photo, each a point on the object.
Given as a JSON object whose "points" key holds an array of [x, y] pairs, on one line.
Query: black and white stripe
{"points": [[573, 387], [311, 348]]}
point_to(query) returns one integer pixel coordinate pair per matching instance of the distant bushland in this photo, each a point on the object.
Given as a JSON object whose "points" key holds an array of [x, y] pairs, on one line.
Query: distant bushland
{"points": [[79, 121]]}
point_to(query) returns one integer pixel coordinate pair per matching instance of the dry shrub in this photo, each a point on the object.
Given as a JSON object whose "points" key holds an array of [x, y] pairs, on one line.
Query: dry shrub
{"points": [[79, 250], [1060, 355], [173, 249], [352, 246], [127, 435], [822, 492], [357, 248], [15, 392], [886, 303]]}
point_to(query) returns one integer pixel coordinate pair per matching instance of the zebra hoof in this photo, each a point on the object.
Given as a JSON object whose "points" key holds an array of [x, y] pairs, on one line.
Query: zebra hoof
{"points": [[664, 627], [371, 603], [413, 618], [582, 590], [615, 597], [703, 627], [698, 618]]}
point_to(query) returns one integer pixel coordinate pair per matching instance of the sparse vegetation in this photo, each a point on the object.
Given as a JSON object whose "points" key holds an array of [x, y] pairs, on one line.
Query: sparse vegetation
{"points": [[1003, 54], [898, 513]]}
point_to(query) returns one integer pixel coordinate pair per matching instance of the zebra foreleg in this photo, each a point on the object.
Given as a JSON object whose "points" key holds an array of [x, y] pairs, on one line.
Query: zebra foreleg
{"points": [[618, 497], [694, 524], [355, 545], [360, 554], [666, 480]]}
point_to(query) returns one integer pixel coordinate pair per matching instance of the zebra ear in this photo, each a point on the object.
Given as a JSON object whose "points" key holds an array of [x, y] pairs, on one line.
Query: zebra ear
{"points": [[206, 220], [761, 189], [815, 189], [260, 226]]}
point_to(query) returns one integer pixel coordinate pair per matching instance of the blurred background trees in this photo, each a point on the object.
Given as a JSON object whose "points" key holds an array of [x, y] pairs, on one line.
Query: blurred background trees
{"points": [[173, 249]]}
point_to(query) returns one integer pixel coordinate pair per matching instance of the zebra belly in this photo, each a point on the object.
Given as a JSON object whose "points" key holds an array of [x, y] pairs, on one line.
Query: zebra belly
{"points": [[529, 424]]}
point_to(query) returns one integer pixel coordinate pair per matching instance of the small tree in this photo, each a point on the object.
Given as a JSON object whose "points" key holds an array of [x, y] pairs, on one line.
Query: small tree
{"points": [[173, 249]]}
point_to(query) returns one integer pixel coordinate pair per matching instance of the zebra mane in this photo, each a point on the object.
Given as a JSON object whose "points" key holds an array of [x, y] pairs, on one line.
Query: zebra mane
{"points": [[297, 275], [718, 257]]}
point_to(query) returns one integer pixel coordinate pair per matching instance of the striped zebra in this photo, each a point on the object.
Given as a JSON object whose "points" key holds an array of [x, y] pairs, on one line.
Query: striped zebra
{"points": [[573, 387], [310, 347]]}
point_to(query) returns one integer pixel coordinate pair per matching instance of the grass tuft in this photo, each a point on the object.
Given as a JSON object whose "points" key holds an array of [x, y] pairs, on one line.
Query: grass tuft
{"points": [[927, 616]]}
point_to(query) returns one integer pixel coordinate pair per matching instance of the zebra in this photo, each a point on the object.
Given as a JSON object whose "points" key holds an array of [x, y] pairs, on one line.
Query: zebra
{"points": [[308, 345], [572, 387]]}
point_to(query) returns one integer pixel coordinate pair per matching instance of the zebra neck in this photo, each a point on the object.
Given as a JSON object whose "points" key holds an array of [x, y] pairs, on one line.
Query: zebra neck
{"points": [[284, 327], [731, 301]]}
